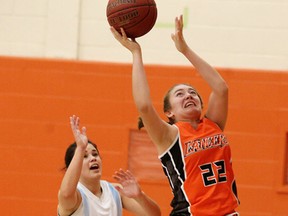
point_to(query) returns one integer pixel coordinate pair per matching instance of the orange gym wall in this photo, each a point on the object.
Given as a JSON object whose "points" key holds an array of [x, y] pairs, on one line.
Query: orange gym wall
{"points": [[37, 97]]}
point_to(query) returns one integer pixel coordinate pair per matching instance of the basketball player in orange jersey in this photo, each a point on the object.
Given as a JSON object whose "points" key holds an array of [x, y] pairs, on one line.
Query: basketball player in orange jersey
{"points": [[192, 147]]}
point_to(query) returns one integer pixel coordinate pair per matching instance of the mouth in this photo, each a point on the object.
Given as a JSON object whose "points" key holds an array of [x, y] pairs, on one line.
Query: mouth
{"points": [[94, 167], [190, 103]]}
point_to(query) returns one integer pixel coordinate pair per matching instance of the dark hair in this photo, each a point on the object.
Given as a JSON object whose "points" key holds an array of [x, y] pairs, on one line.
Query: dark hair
{"points": [[70, 151], [167, 105]]}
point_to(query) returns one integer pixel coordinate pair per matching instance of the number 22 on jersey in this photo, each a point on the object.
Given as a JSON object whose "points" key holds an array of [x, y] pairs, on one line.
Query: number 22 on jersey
{"points": [[213, 173]]}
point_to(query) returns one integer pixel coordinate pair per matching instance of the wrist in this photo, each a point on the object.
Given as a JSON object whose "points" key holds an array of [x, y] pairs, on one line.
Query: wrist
{"points": [[185, 51], [140, 195], [80, 149]]}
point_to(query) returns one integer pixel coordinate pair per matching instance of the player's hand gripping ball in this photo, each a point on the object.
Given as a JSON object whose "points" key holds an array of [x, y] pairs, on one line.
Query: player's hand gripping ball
{"points": [[136, 17]]}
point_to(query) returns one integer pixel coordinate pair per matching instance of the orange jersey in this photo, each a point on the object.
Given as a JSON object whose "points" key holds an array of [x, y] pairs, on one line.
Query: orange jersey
{"points": [[199, 169]]}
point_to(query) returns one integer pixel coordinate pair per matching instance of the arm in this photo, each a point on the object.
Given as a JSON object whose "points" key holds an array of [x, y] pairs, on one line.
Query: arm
{"points": [[161, 133], [218, 101], [133, 198], [69, 197]]}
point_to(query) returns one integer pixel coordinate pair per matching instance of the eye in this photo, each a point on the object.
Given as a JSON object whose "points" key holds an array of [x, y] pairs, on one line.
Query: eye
{"points": [[179, 94], [192, 92]]}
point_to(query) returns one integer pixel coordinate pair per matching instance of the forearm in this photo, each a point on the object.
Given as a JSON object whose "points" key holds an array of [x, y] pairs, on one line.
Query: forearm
{"points": [[140, 87], [72, 175], [148, 206], [209, 74]]}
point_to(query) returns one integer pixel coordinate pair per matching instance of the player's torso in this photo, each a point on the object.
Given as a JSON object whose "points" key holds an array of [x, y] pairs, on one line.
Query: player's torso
{"points": [[207, 170]]}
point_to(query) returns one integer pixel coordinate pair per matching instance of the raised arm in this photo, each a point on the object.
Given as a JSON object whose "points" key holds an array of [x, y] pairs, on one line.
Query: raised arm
{"points": [[69, 198], [218, 101], [133, 198], [161, 133]]}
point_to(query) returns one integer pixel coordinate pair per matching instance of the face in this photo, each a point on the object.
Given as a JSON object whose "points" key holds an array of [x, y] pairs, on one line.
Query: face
{"points": [[185, 103], [92, 163]]}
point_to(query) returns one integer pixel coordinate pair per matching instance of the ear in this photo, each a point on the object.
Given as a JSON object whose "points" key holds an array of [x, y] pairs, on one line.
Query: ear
{"points": [[169, 114]]}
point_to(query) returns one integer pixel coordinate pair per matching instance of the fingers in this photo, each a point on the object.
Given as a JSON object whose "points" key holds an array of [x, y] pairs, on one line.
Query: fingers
{"points": [[176, 24], [118, 188], [74, 123], [119, 175], [74, 120], [114, 32], [84, 131], [173, 37], [122, 175], [181, 20], [117, 35], [178, 27], [123, 33], [129, 175], [179, 23]]}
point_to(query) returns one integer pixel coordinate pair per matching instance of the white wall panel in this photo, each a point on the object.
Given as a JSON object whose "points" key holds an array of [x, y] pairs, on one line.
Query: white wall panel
{"points": [[227, 33], [63, 29]]}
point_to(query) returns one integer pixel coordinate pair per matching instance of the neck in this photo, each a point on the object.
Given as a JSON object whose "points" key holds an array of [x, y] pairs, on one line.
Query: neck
{"points": [[94, 187], [194, 123]]}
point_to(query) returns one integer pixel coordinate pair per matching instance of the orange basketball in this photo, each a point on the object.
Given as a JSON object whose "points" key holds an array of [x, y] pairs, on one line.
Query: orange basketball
{"points": [[136, 17]]}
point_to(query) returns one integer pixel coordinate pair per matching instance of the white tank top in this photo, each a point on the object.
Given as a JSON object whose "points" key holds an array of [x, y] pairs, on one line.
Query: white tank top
{"points": [[109, 204]]}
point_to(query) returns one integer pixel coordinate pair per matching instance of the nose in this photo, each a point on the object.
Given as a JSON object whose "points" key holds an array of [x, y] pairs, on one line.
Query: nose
{"points": [[92, 158], [188, 95]]}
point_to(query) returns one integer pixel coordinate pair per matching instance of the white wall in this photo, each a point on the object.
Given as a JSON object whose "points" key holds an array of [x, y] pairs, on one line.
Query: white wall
{"points": [[227, 33]]}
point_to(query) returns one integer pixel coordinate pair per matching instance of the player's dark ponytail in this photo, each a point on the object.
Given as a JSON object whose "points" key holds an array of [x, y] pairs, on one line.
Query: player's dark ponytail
{"points": [[140, 123]]}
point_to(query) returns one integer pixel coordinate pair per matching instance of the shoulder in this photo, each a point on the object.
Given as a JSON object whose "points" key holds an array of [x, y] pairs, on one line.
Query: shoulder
{"points": [[62, 208], [115, 184], [110, 186], [208, 121], [107, 183]]}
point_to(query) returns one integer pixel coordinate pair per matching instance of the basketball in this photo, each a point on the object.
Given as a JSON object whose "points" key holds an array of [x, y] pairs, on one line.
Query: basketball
{"points": [[136, 17]]}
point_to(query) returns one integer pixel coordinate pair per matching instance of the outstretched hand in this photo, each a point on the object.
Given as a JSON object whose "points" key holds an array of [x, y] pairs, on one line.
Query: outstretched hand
{"points": [[130, 186], [80, 136], [130, 44], [178, 37]]}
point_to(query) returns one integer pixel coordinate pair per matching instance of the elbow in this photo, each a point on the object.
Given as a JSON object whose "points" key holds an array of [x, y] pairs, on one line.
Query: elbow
{"points": [[158, 211], [155, 211], [143, 108], [65, 194], [223, 88]]}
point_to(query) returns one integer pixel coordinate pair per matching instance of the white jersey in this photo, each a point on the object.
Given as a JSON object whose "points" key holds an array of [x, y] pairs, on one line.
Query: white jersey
{"points": [[109, 204]]}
